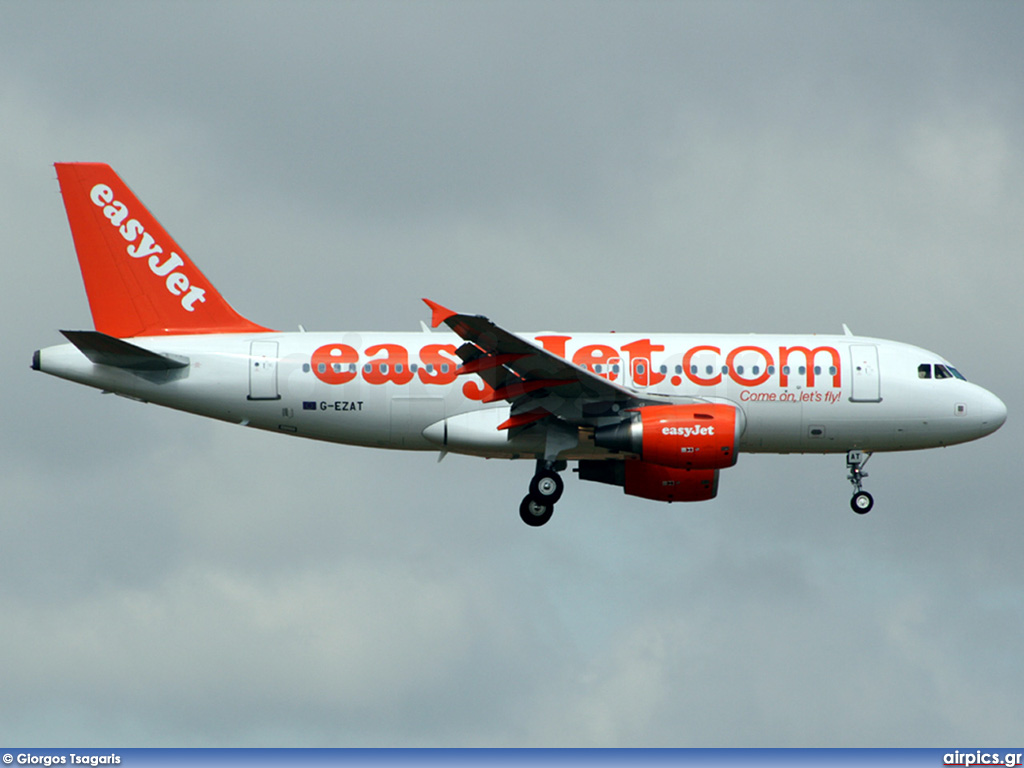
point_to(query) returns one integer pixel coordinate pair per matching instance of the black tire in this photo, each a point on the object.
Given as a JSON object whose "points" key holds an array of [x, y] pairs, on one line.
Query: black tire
{"points": [[862, 502], [546, 487], [535, 513]]}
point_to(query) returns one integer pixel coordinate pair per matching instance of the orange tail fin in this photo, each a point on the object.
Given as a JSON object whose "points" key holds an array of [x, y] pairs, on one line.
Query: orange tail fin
{"points": [[139, 281]]}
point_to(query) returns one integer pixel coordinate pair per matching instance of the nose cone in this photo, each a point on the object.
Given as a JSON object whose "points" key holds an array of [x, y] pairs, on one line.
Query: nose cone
{"points": [[992, 412]]}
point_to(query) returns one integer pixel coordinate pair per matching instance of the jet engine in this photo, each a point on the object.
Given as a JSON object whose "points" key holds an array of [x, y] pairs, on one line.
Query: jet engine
{"points": [[700, 436], [652, 481]]}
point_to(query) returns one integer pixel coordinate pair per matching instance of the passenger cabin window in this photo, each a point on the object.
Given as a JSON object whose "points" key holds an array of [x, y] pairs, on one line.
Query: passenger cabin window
{"points": [[924, 371]]}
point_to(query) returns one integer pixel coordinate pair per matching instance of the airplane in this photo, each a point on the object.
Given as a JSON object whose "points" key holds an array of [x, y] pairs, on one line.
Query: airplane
{"points": [[659, 415]]}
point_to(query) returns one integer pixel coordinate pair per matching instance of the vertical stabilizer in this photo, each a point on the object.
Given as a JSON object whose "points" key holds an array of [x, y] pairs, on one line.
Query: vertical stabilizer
{"points": [[139, 281]]}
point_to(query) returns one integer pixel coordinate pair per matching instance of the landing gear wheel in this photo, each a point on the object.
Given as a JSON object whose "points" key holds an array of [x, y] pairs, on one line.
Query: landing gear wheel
{"points": [[535, 513], [861, 503], [546, 487]]}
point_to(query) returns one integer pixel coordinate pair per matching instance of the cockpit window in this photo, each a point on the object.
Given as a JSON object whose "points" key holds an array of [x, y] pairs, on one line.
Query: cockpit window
{"points": [[924, 371], [948, 372]]}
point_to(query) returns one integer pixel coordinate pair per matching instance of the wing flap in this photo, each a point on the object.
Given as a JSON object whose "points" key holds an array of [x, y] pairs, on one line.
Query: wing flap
{"points": [[529, 376], [523, 419]]}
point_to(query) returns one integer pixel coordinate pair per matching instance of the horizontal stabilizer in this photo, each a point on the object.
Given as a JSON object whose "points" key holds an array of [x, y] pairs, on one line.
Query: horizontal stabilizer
{"points": [[108, 350]]}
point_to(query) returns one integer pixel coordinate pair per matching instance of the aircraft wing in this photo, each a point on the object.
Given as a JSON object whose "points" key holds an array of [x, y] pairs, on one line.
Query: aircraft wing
{"points": [[537, 383]]}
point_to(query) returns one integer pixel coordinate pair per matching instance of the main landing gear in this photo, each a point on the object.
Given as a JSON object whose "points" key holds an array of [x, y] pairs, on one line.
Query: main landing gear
{"points": [[862, 502], [545, 489]]}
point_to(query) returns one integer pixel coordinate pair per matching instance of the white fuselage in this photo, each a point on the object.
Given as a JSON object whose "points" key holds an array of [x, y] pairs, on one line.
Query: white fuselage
{"points": [[815, 394]]}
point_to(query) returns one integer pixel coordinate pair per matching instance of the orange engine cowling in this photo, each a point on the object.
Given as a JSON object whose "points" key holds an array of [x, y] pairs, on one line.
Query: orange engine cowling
{"points": [[701, 436], [652, 481]]}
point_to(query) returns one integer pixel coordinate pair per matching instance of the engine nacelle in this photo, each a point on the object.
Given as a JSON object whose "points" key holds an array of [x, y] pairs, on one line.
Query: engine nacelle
{"points": [[653, 481], [702, 436]]}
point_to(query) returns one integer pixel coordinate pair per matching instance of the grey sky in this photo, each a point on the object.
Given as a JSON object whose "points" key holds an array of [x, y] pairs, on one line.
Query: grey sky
{"points": [[687, 166]]}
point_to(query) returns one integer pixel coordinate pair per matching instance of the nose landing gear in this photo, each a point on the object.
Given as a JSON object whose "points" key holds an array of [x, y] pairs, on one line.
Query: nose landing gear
{"points": [[862, 501], [545, 489]]}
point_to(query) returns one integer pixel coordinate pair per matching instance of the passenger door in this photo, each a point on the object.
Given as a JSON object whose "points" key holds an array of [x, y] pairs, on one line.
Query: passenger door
{"points": [[865, 384]]}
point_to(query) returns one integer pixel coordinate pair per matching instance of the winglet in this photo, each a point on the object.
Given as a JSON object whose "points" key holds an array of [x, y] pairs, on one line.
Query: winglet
{"points": [[440, 313]]}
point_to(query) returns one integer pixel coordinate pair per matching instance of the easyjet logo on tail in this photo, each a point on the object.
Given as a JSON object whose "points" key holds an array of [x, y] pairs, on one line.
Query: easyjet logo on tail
{"points": [[143, 246]]}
